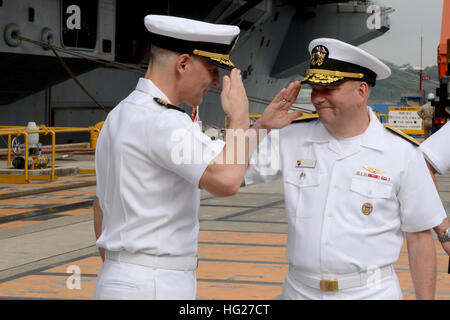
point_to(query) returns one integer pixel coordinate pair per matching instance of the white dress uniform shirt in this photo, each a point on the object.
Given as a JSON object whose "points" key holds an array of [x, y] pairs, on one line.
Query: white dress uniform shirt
{"points": [[327, 190], [437, 149], [149, 161]]}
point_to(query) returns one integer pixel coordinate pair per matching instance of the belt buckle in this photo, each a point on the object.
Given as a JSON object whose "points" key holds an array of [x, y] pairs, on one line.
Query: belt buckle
{"points": [[329, 285]]}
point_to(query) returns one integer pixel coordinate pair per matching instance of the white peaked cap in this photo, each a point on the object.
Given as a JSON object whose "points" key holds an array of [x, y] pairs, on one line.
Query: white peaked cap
{"points": [[347, 61], [213, 42], [191, 30]]}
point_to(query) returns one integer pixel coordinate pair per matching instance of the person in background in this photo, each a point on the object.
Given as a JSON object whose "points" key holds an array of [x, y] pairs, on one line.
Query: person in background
{"points": [[426, 112], [436, 150]]}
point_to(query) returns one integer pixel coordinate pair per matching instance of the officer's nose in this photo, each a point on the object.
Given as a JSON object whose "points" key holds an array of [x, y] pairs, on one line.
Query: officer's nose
{"points": [[317, 96]]}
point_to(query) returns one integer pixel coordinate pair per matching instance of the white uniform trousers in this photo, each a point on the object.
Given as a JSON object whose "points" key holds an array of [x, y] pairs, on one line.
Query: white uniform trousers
{"points": [[126, 281], [388, 288]]}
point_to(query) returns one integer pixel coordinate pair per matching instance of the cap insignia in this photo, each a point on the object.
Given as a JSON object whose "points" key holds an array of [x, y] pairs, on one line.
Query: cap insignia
{"points": [[318, 55]]}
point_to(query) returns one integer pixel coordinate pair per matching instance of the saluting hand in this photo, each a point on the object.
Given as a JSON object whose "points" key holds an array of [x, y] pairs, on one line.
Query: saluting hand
{"points": [[233, 97], [276, 115]]}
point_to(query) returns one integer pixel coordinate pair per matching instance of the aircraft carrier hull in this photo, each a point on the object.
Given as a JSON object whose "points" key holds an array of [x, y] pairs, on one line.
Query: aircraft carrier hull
{"points": [[271, 51]]}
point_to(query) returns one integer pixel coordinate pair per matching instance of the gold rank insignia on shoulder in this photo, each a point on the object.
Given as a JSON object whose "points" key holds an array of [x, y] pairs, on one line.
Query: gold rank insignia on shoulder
{"points": [[161, 101], [167, 104], [401, 134]]}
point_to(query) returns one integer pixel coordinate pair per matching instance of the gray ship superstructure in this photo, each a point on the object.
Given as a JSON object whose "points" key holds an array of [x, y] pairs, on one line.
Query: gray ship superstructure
{"points": [[271, 51]]}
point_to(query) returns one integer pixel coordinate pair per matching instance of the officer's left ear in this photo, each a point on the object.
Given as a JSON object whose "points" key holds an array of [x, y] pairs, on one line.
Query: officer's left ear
{"points": [[363, 89], [183, 62]]}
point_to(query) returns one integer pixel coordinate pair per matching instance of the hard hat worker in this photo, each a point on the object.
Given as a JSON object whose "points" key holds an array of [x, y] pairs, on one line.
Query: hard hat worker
{"points": [[149, 172], [426, 112]]}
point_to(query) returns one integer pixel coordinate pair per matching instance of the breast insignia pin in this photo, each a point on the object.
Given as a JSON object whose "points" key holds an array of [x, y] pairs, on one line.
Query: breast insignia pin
{"points": [[373, 170], [367, 208]]}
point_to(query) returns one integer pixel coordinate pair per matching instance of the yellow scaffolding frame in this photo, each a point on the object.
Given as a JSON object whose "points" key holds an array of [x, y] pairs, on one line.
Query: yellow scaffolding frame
{"points": [[382, 116], [19, 131]]}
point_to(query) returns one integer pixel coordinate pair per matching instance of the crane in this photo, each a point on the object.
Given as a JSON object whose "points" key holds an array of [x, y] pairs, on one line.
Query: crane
{"points": [[442, 101]]}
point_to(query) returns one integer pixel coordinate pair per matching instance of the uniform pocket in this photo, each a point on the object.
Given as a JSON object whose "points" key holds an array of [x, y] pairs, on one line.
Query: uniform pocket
{"points": [[301, 186], [372, 204], [303, 178], [371, 188], [119, 284], [117, 290]]}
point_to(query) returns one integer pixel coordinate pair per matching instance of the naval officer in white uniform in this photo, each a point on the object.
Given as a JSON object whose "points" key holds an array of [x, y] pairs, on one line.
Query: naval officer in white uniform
{"points": [[353, 189], [151, 160], [436, 150]]}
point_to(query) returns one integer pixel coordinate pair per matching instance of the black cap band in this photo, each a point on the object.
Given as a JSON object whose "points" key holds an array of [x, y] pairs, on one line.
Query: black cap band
{"points": [[340, 66], [186, 46]]}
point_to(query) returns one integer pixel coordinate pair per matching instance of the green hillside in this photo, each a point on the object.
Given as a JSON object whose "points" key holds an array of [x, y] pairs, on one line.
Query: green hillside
{"points": [[403, 79]]}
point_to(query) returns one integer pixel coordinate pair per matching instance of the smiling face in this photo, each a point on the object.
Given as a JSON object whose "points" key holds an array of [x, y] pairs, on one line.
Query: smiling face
{"points": [[199, 78], [341, 108]]}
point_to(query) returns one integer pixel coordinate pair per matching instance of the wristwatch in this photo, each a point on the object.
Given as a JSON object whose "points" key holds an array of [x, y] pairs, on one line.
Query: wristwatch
{"points": [[446, 236]]}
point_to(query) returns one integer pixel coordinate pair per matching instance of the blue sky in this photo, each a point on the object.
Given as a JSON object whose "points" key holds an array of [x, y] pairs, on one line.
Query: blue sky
{"points": [[401, 44]]}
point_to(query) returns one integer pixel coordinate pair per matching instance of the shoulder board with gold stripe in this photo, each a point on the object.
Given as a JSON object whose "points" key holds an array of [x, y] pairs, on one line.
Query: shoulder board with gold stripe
{"points": [[167, 104], [306, 117], [402, 134]]}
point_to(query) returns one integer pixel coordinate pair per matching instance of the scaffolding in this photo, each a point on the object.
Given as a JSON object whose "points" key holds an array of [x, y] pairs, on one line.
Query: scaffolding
{"points": [[17, 131]]}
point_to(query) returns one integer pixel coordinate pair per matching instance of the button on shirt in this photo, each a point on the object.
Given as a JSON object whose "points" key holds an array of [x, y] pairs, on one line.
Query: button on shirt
{"points": [[342, 218], [149, 161], [436, 149]]}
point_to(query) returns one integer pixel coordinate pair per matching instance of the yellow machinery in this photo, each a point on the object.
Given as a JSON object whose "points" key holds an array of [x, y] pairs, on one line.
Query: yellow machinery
{"points": [[35, 160]]}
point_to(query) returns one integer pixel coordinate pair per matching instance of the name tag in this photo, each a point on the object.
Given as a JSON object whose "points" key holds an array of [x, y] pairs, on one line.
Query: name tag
{"points": [[306, 163]]}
